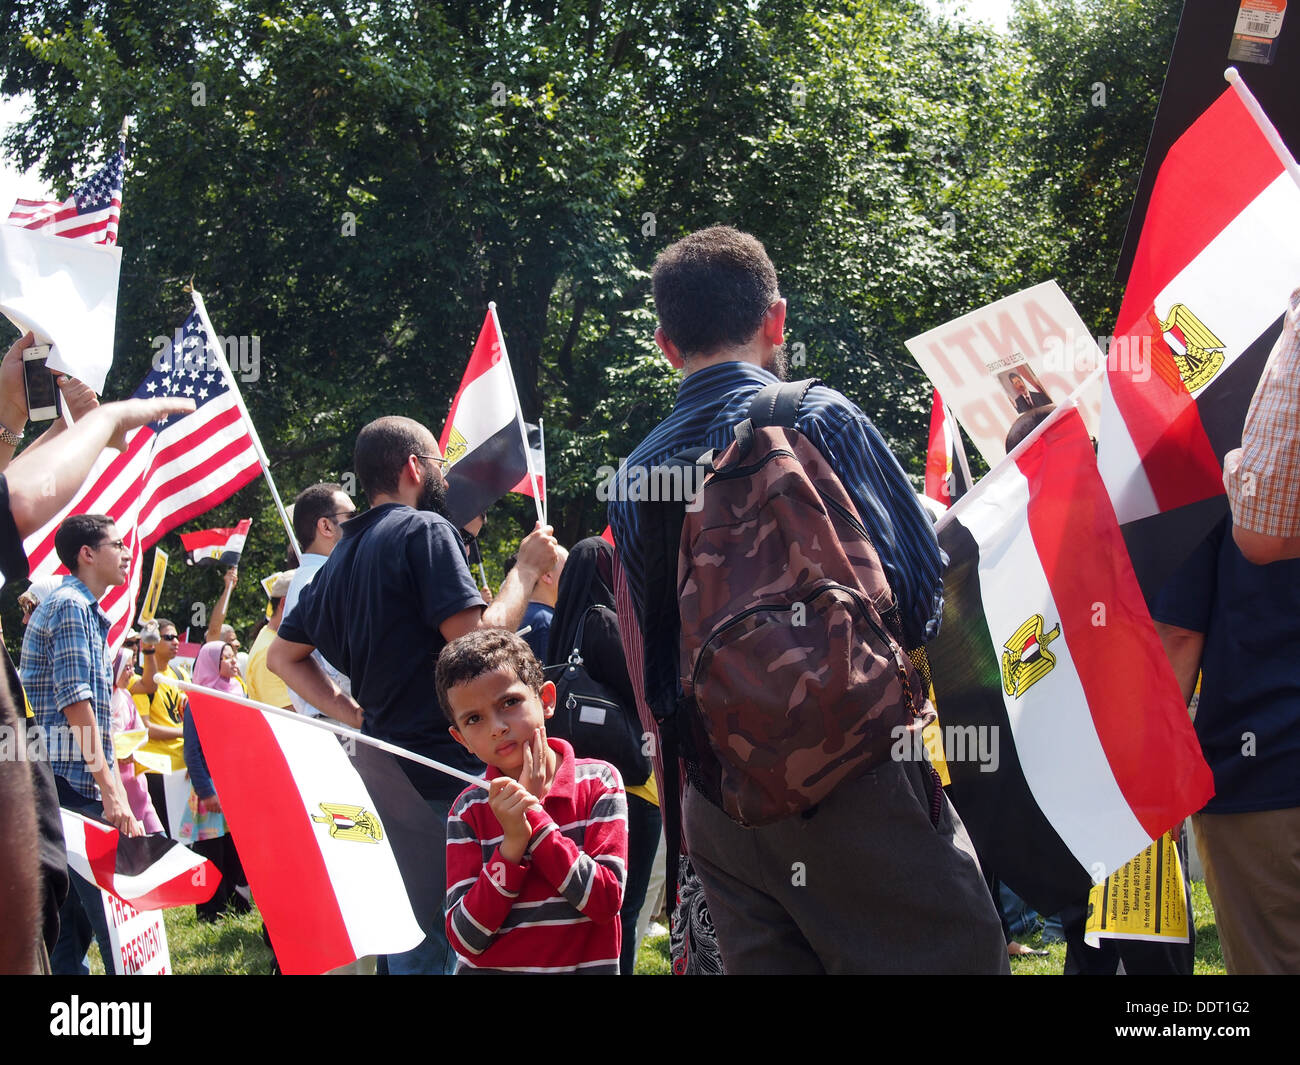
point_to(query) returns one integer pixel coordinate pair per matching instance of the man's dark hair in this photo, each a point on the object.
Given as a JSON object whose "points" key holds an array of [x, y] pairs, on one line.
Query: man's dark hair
{"points": [[483, 651], [382, 449], [76, 532], [1026, 424], [712, 289], [163, 623], [311, 505]]}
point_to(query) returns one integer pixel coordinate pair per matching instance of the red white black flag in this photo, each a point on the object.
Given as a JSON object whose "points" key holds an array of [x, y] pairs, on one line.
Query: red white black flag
{"points": [[216, 547], [484, 439], [1064, 764], [149, 872], [343, 856], [537, 454], [947, 476], [1218, 258]]}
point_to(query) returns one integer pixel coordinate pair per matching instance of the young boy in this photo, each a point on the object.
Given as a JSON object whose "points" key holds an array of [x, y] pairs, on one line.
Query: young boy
{"points": [[535, 861]]}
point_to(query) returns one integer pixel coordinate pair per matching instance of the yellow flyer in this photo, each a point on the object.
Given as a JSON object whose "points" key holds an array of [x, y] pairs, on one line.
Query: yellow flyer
{"points": [[150, 606], [1142, 900]]}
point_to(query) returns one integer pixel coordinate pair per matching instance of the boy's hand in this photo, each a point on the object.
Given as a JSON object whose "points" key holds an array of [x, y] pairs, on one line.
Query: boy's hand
{"points": [[536, 776], [510, 800]]}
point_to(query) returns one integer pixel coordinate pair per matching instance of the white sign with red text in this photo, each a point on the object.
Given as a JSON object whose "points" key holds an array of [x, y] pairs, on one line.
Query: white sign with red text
{"points": [[138, 937], [1003, 361]]}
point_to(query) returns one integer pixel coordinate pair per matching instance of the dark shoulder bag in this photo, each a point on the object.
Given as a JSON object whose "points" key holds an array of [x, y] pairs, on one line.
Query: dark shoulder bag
{"points": [[589, 715]]}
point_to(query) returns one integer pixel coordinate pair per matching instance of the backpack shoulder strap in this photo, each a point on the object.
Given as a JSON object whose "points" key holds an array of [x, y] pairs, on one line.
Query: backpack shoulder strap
{"points": [[775, 404], [779, 403]]}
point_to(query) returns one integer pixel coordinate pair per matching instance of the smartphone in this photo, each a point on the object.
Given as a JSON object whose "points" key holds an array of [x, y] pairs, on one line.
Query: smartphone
{"points": [[42, 393]]}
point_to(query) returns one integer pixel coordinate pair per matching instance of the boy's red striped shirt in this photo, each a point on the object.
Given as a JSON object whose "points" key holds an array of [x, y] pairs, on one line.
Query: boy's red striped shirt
{"points": [[557, 910]]}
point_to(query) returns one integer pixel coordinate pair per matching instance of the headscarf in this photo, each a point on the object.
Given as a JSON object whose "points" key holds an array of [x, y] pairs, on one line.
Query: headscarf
{"points": [[207, 669], [120, 662], [587, 579]]}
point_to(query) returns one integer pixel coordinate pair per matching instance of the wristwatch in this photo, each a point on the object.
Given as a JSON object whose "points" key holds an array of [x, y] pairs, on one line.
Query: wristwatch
{"points": [[8, 436]]}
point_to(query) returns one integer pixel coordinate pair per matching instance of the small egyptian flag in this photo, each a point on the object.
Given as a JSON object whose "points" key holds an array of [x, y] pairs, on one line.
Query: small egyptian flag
{"points": [[537, 453], [148, 872], [947, 476], [344, 857], [216, 547], [1067, 741], [483, 440]]}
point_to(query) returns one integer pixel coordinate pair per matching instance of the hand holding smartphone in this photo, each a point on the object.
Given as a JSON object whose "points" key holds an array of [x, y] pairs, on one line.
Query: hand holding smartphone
{"points": [[42, 393]]}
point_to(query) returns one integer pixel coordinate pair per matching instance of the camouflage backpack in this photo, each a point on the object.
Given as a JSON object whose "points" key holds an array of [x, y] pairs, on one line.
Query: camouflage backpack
{"points": [[791, 652]]}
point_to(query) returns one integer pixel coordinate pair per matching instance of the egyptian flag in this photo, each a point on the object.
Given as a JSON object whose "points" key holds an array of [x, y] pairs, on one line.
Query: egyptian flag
{"points": [[148, 872], [344, 857], [484, 436], [537, 455], [216, 547], [947, 477], [1047, 640], [1217, 260]]}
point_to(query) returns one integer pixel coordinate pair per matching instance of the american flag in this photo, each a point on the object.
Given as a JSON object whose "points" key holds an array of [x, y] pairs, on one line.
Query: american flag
{"points": [[172, 470], [91, 213]]}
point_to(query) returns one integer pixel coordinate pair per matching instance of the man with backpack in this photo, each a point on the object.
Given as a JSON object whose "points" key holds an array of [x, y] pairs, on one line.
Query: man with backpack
{"points": [[789, 650]]}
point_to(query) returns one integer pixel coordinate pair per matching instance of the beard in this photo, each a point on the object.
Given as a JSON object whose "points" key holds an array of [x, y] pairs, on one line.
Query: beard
{"points": [[777, 364], [433, 495]]}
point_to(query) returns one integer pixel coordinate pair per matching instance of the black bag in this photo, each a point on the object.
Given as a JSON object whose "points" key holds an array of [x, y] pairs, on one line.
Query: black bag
{"points": [[589, 715]]}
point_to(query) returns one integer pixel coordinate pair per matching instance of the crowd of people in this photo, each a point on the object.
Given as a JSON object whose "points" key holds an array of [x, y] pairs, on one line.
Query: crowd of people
{"points": [[598, 794]]}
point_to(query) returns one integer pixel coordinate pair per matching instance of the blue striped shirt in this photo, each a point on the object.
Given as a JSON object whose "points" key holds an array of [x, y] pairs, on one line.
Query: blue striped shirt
{"points": [[65, 661], [710, 402]]}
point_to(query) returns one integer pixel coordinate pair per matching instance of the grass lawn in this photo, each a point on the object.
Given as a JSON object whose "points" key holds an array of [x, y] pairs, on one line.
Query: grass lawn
{"points": [[234, 946]]}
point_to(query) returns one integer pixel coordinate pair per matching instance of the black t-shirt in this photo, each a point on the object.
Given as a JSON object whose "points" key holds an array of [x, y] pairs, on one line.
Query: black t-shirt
{"points": [[373, 610], [13, 560], [1248, 716]]}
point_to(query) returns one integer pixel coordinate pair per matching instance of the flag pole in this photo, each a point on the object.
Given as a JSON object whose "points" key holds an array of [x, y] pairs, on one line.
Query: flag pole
{"points": [[328, 726], [478, 557], [541, 437], [1071, 402], [961, 446], [1266, 127], [215, 348], [519, 414]]}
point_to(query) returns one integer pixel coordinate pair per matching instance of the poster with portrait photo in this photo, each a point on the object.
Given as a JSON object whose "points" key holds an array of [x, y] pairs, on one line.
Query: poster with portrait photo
{"points": [[1025, 352], [1024, 391]]}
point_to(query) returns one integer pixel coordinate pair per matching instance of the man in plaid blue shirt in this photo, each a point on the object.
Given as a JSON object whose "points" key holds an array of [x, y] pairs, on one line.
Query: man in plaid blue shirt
{"points": [[66, 675]]}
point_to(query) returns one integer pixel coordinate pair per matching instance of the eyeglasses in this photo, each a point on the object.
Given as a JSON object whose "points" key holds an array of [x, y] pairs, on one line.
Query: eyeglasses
{"points": [[442, 462], [116, 545], [346, 514], [173, 636]]}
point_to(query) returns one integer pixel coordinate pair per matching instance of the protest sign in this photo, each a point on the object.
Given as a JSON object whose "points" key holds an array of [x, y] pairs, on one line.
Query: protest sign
{"points": [[1012, 357], [138, 938], [1141, 900]]}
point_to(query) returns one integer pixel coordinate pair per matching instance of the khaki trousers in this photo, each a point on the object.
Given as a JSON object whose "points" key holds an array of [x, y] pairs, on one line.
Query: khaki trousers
{"points": [[1252, 871]]}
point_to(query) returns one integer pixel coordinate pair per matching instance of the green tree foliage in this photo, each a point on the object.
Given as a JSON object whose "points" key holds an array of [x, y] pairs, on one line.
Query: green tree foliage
{"points": [[1098, 68], [351, 183]]}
